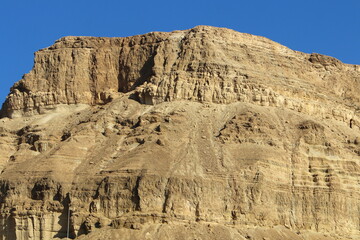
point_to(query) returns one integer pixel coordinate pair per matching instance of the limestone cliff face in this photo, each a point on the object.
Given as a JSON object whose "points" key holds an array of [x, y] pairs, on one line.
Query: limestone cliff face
{"points": [[204, 133], [202, 64]]}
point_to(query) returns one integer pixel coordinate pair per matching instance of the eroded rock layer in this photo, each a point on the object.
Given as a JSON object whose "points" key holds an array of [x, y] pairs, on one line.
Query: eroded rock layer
{"points": [[205, 133]]}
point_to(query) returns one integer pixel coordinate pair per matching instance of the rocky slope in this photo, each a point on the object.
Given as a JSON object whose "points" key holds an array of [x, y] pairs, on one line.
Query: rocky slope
{"points": [[205, 133]]}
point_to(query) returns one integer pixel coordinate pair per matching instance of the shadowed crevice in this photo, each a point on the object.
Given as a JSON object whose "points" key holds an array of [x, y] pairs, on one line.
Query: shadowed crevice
{"points": [[146, 72], [63, 220]]}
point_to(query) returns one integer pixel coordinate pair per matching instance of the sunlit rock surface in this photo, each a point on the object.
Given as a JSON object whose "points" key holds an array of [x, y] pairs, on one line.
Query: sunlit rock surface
{"points": [[205, 133]]}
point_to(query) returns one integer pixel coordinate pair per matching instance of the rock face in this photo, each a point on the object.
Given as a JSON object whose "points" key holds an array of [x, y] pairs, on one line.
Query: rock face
{"points": [[205, 133]]}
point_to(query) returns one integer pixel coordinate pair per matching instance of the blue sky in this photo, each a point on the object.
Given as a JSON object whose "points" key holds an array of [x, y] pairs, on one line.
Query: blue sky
{"points": [[330, 27]]}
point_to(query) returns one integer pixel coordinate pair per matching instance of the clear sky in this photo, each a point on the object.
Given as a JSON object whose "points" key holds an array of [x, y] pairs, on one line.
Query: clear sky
{"points": [[330, 27]]}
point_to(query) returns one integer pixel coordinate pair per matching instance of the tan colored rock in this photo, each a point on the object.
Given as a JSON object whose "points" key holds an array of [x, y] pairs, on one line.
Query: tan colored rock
{"points": [[203, 64], [205, 133]]}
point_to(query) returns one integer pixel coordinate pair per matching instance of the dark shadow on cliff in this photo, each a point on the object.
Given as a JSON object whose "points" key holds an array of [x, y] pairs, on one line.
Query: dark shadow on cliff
{"points": [[143, 98], [3, 113], [146, 72], [8, 231], [63, 220]]}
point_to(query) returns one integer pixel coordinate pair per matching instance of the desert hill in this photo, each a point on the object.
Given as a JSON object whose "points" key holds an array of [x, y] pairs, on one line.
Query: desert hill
{"points": [[205, 133]]}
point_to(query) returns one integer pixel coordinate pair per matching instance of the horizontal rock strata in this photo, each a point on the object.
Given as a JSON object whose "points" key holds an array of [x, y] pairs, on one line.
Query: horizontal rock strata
{"points": [[203, 133]]}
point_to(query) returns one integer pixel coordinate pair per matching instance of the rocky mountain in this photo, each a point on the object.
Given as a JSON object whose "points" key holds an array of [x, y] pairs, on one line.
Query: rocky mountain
{"points": [[205, 133]]}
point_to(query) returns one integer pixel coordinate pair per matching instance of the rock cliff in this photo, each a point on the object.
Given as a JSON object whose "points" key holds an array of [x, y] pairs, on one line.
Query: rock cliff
{"points": [[205, 133]]}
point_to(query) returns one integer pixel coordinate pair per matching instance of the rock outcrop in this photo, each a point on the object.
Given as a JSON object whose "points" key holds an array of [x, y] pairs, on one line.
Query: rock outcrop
{"points": [[202, 64], [202, 133]]}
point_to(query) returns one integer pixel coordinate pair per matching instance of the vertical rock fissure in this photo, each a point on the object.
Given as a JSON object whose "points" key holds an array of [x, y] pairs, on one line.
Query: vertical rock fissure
{"points": [[146, 71], [166, 196], [64, 219], [135, 197]]}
